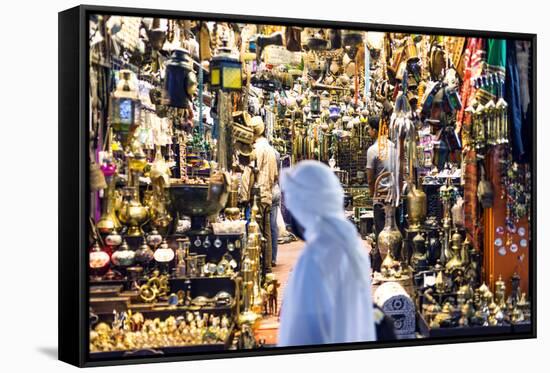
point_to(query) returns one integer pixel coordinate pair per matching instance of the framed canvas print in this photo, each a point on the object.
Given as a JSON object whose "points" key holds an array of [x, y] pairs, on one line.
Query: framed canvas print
{"points": [[236, 186]]}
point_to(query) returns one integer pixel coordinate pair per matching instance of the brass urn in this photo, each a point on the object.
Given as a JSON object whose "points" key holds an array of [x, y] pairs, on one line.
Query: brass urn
{"points": [[416, 207]]}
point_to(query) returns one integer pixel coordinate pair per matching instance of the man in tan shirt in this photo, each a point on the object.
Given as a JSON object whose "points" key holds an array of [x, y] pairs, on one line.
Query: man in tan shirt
{"points": [[266, 164]]}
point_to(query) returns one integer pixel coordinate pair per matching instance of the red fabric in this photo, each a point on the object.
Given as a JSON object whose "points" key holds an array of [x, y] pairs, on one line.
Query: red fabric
{"points": [[473, 56]]}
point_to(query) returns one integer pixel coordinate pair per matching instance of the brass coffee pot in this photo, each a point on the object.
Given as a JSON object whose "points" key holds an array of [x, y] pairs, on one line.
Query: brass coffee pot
{"points": [[419, 259], [456, 261], [132, 213]]}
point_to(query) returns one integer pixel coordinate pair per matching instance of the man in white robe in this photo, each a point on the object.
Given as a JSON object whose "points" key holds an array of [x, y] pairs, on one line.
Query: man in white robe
{"points": [[328, 297]]}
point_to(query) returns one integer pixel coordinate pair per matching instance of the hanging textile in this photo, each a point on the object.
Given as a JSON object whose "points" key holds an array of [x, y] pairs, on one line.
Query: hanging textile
{"points": [[473, 56], [523, 58], [512, 96], [496, 64]]}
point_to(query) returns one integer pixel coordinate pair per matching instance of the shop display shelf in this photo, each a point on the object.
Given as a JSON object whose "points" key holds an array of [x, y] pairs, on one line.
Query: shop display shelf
{"points": [[167, 351], [461, 331], [206, 286], [162, 311]]}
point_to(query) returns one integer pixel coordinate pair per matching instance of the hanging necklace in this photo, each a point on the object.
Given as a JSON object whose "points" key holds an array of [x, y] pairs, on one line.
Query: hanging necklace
{"points": [[383, 139]]}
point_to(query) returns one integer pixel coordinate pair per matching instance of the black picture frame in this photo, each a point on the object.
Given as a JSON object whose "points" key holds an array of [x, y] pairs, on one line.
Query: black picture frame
{"points": [[74, 189]]}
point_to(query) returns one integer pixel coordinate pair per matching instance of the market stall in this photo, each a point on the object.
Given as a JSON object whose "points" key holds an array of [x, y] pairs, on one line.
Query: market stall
{"points": [[191, 122]]}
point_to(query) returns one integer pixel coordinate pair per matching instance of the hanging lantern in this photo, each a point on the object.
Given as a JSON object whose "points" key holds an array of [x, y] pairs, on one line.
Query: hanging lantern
{"points": [[225, 71], [124, 102], [315, 104], [180, 83]]}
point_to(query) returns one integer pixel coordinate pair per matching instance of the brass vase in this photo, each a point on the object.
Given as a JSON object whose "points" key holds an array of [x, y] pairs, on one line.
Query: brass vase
{"points": [[108, 219], [390, 239], [416, 207]]}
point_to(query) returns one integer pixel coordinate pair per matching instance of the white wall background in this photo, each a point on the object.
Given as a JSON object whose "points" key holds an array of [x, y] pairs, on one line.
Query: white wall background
{"points": [[28, 197]]}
